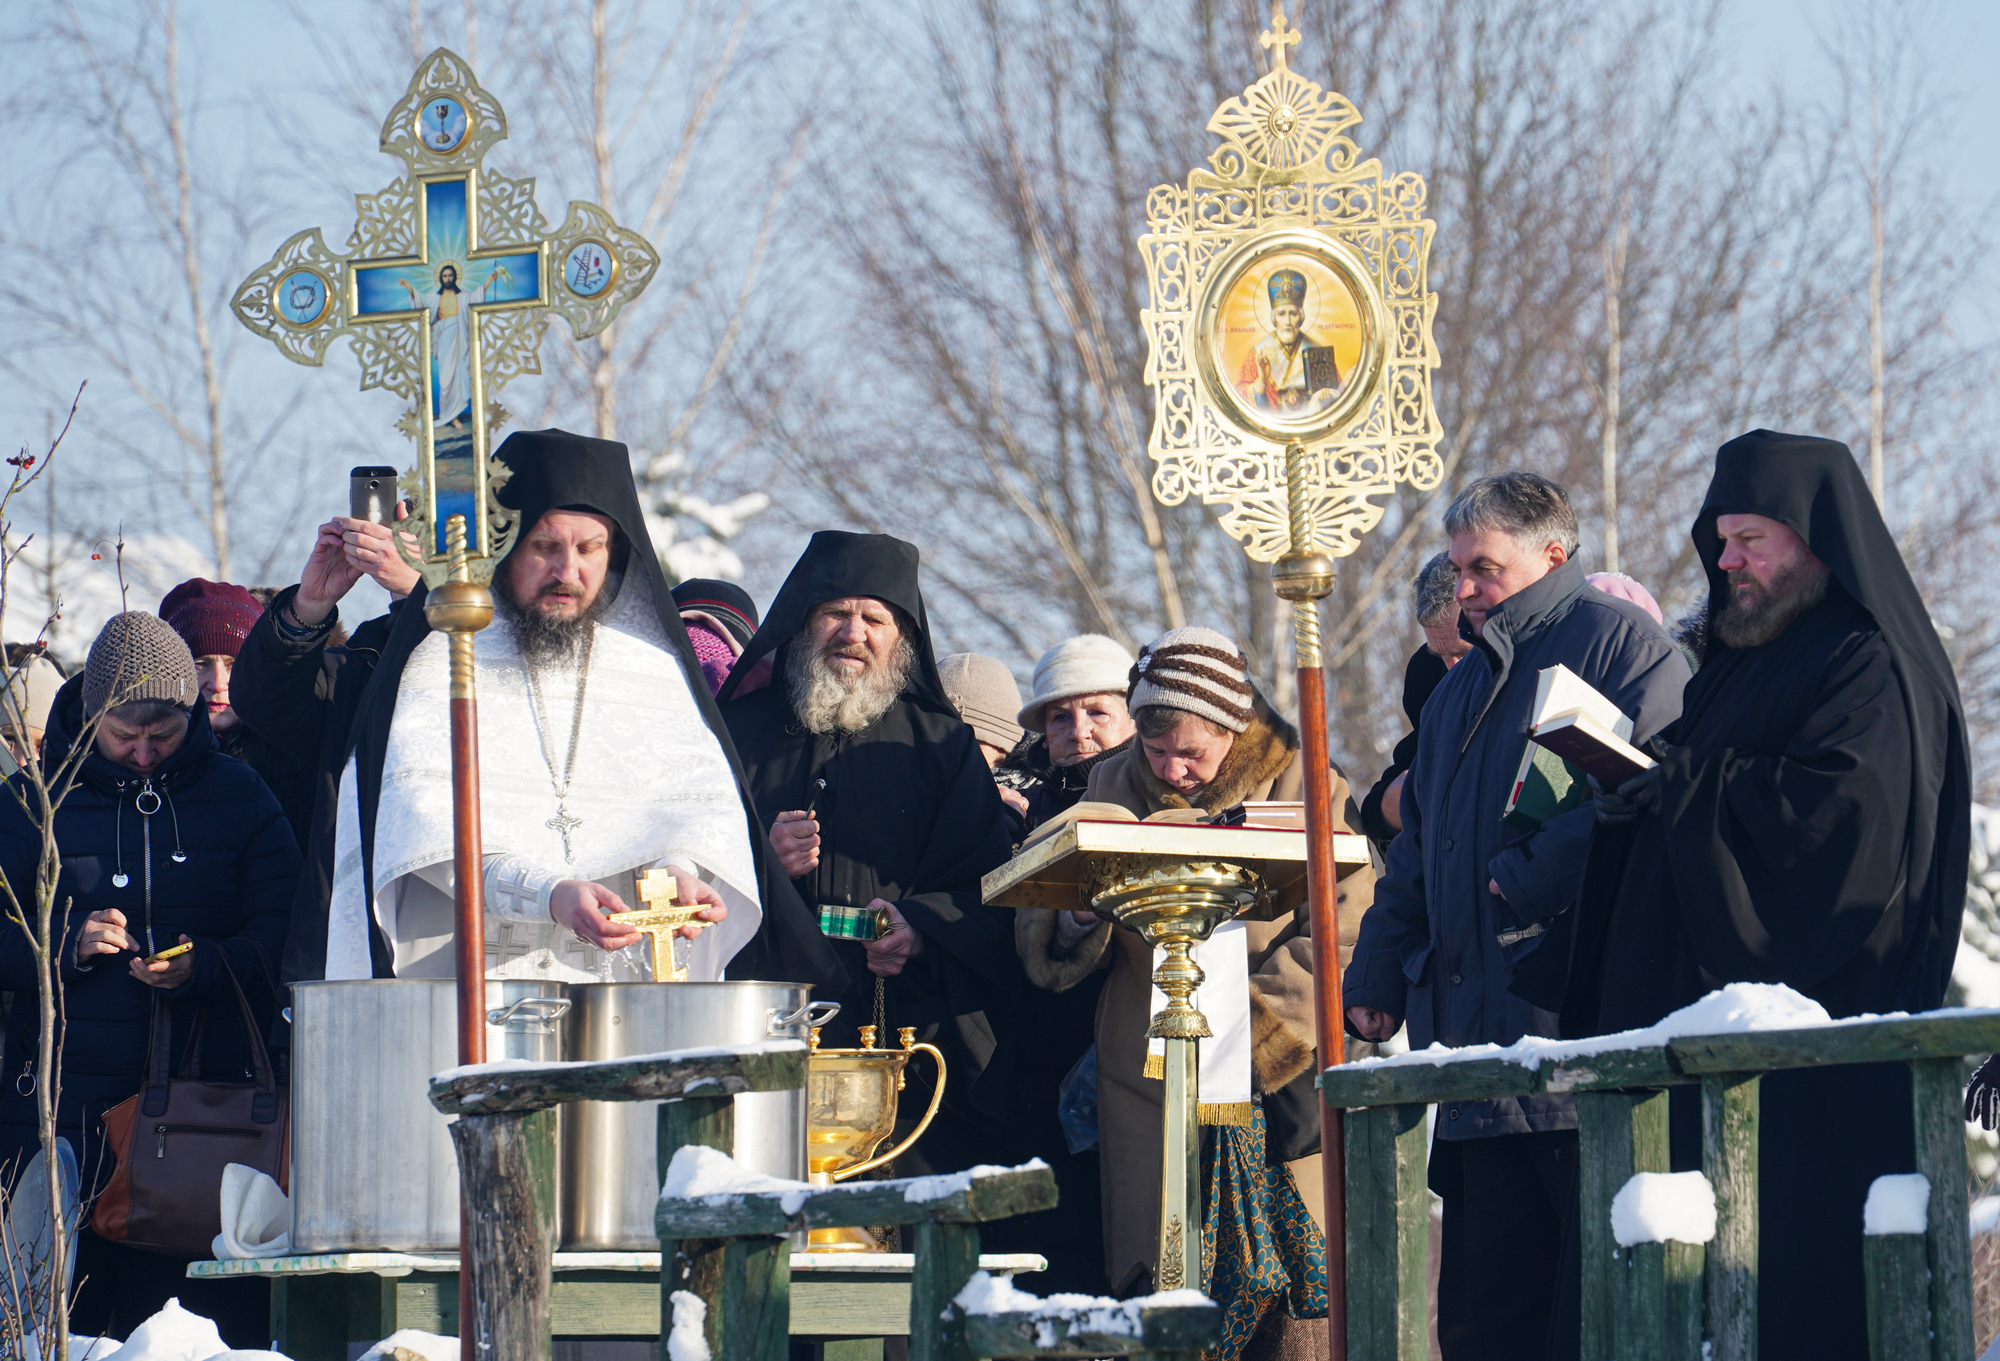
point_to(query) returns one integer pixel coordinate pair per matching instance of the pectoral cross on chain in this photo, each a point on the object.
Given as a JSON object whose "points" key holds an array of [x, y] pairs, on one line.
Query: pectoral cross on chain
{"points": [[563, 823], [659, 920]]}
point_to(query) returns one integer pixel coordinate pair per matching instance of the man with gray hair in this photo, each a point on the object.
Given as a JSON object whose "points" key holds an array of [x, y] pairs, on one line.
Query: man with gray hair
{"points": [[1472, 926], [1435, 604]]}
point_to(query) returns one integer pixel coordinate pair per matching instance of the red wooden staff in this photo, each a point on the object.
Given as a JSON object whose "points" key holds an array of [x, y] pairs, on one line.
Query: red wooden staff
{"points": [[459, 609], [1304, 577]]}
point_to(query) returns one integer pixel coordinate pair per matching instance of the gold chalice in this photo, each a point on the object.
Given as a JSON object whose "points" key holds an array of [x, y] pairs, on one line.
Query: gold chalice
{"points": [[850, 1110]]}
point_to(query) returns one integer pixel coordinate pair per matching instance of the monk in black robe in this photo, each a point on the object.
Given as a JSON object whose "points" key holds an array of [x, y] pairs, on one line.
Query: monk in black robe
{"points": [[1808, 824], [882, 809]]}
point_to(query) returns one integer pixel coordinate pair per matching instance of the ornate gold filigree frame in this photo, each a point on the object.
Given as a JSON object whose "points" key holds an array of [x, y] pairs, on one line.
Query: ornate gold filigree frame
{"points": [[505, 340], [1286, 176]]}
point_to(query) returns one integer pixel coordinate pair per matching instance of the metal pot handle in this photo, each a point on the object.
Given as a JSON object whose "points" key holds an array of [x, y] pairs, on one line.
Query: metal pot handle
{"points": [[543, 1009], [812, 1015]]}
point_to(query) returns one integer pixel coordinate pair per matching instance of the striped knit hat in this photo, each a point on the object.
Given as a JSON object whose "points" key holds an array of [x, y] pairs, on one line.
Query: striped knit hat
{"points": [[1196, 670]]}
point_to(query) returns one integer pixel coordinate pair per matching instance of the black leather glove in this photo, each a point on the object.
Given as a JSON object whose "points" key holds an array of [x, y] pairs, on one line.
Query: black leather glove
{"points": [[1640, 794]]}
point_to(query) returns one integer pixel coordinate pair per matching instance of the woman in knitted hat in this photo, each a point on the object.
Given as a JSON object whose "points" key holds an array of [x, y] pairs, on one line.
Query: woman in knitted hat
{"points": [[1207, 740], [164, 841]]}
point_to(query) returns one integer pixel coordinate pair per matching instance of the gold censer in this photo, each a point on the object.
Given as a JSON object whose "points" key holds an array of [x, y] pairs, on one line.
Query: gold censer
{"points": [[850, 1109]]}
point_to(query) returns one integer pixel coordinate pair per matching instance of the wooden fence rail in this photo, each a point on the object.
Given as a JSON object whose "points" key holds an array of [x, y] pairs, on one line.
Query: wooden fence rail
{"points": [[1622, 1130], [728, 1254]]}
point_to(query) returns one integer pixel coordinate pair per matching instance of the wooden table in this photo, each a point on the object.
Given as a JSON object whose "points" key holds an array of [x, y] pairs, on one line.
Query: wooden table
{"points": [[842, 1304]]}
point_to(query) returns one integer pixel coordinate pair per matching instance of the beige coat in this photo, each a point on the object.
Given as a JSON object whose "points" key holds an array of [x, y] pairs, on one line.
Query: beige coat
{"points": [[1262, 764]]}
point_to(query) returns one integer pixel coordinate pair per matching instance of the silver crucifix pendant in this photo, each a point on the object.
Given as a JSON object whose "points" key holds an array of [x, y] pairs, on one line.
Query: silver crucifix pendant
{"points": [[563, 823]]}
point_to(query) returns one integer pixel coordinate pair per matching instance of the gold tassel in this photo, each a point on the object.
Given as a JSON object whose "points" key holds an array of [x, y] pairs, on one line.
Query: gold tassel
{"points": [[1223, 1113], [1156, 1067]]}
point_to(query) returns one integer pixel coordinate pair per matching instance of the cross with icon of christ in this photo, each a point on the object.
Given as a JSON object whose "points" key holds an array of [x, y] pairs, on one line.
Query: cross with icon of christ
{"points": [[660, 919], [446, 287]]}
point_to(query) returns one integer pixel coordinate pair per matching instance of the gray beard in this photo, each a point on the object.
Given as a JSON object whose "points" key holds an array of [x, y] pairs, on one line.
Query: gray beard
{"points": [[545, 640], [1796, 590], [826, 701]]}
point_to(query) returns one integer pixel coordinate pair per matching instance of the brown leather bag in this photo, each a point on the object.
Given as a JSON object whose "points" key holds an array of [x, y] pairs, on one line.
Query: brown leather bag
{"points": [[175, 1136]]}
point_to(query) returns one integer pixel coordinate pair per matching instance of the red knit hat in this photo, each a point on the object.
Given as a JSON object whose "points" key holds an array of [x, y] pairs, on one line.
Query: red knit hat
{"points": [[213, 617]]}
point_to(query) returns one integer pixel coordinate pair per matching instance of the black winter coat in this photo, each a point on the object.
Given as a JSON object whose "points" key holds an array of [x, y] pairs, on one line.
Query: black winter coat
{"points": [[231, 893], [302, 699]]}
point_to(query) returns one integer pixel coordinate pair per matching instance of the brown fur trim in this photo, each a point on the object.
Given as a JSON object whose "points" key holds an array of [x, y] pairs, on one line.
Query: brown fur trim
{"points": [[1259, 755], [1041, 953], [1278, 1052]]}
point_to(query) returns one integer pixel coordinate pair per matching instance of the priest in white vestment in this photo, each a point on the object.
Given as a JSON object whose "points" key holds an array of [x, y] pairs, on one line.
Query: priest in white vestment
{"points": [[601, 756]]}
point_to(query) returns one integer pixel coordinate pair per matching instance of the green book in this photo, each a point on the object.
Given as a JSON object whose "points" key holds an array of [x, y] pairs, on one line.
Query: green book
{"points": [[1545, 786]]}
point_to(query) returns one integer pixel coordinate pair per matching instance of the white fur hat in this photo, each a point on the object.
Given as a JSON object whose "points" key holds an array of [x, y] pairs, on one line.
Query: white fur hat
{"points": [[1089, 664]]}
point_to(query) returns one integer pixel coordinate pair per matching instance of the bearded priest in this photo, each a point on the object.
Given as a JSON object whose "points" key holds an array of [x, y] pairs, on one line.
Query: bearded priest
{"points": [[602, 755], [884, 813]]}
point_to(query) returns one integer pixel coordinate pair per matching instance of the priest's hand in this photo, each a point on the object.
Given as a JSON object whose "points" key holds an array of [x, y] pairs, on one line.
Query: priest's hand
{"points": [[371, 550], [1376, 1026], [578, 906], [888, 953], [688, 889], [795, 837]]}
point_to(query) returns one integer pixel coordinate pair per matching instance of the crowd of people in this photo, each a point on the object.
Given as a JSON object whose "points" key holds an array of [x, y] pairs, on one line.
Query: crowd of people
{"points": [[831, 792]]}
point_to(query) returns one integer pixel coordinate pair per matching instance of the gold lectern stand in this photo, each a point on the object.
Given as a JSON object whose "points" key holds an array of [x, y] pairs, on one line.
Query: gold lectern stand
{"points": [[1173, 883]]}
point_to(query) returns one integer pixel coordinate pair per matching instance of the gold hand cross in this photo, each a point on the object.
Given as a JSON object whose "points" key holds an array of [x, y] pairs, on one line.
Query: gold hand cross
{"points": [[659, 920]]}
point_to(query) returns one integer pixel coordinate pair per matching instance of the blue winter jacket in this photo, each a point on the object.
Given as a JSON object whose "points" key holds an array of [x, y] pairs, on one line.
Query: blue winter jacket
{"points": [[1429, 948], [230, 890]]}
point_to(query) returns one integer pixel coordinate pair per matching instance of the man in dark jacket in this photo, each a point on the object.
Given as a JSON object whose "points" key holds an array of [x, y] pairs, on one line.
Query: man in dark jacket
{"points": [[163, 841], [1466, 898]]}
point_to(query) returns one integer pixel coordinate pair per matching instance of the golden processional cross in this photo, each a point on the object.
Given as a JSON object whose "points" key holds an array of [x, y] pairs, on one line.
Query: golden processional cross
{"points": [[659, 919], [445, 289], [1290, 355]]}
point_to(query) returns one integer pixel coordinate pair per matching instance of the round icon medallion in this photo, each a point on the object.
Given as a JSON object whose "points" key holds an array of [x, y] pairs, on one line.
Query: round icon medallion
{"points": [[441, 123], [301, 297], [589, 268]]}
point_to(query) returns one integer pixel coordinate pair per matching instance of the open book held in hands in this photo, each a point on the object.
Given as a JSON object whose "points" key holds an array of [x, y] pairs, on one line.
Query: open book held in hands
{"points": [[1587, 730]]}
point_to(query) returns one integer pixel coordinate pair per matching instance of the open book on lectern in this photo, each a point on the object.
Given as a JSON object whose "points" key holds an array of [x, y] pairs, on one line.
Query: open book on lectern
{"points": [[1576, 722]]}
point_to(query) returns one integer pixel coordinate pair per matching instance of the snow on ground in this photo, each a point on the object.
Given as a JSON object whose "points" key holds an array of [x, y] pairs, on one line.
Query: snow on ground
{"points": [[1897, 1204], [1663, 1207]]}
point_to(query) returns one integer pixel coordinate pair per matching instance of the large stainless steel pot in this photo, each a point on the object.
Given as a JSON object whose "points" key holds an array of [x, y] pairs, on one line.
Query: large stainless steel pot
{"points": [[372, 1163], [611, 1174]]}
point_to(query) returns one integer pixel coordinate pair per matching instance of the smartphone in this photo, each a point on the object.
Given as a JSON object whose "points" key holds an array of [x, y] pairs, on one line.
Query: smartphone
{"points": [[371, 494], [170, 952]]}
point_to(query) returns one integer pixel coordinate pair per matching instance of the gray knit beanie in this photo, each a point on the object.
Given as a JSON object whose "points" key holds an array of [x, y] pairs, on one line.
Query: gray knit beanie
{"points": [[1197, 671], [983, 691], [136, 656]]}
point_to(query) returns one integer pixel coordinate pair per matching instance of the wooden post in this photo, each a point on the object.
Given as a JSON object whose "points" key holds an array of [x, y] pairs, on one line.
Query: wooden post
{"points": [[1937, 1098], [1729, 1120], [1656, 1304], [1388, 1234], [460, 609], [1618, 1133], [1304, 576], [506, 1177], [1898, 1275], [947, 1255], [743, 1283]]}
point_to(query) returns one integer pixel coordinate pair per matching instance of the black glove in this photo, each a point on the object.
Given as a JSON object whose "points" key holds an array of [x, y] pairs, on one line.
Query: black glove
{"points": [[1982, 1094], [1640, 794]]}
